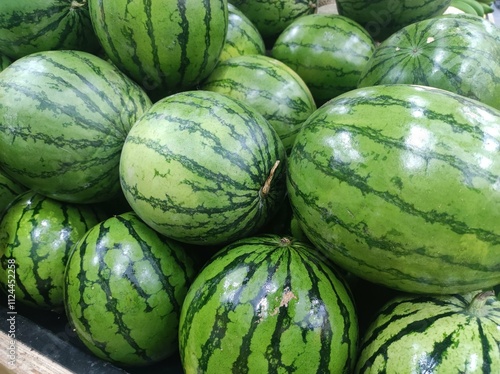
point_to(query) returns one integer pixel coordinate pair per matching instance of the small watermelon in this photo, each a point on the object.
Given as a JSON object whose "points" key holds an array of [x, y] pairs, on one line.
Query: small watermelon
{"points": [[267, 304], [381, 18], [64, 116], [29, 26], [36, 235], [434, 334], [399, 185], [123, 290], [328, 51], [269, 86], [211, 168], [242, 36]]}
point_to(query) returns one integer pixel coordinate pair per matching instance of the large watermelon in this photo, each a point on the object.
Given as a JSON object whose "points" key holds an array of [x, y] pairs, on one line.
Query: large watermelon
{"points": [[242, 36], [28, 26], [164, 45], [64, 116], [399, 185], [381, 18], [269, 86], [328, 51], [434, 334], [37, 234], [124, 288], [268, 305], [203, 168], [458, 53]]}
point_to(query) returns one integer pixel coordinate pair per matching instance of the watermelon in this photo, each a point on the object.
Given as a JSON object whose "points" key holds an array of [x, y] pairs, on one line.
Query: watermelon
{"points": [[4, 61], [123, 290], [211, 168], [37, 234], [458, 53], [271, 17], [64, 116], [242, 36], [268, 304], [166, 46], [434, 334], [328, 51], [269, 86], [399, 185], [9, 190], [382, 18], [29, 26]]}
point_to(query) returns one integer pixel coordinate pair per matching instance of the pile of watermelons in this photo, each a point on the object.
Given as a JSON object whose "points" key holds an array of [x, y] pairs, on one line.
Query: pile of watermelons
{"points": [[256, 186]]}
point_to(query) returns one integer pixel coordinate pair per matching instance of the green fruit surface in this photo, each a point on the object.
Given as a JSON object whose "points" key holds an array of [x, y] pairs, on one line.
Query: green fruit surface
{"points": [[242, 36], [382, 18], [204, 162], [268, 304], [64, 116], [9, 190], [37, 235], [4, 61], [269, 86], [328, 51], [124, 287], [399, 185], [164, 45], [439, 334], [29, 26], [458, 53]]}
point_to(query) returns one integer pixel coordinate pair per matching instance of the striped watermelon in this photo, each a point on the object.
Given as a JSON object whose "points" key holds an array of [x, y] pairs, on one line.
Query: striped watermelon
{"points": [[381, 18], [28, 26], [328, 51], [270, 87], [165, 46], [38, 233], [124, 287], [9, 190], [64, 116], [211, 168], [267, 304], [271, 17], [434, 334], [242, 36], [400, 185], [458, 53]]}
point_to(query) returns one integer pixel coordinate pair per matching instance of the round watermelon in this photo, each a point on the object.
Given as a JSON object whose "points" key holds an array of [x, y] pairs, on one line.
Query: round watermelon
{"points": [[242, 36], [268, 304], [399, 185], [203, 168], [381, 18], [166, 46], [123, 289], [36, 236], [328, 51], [64, 116], [29, 26], [269, 86], [434, 334], [458, 53]]}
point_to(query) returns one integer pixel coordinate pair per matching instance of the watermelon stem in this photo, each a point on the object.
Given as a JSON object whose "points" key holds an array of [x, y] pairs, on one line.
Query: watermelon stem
{"points": [[477, 304], [264, 191], [76, 4]]}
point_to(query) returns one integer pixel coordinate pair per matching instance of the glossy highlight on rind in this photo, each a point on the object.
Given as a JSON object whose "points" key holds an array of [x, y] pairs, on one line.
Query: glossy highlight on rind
{"points": [[205, 160], [268, 304], [124, 287], [400, 185], [440, 334]]}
